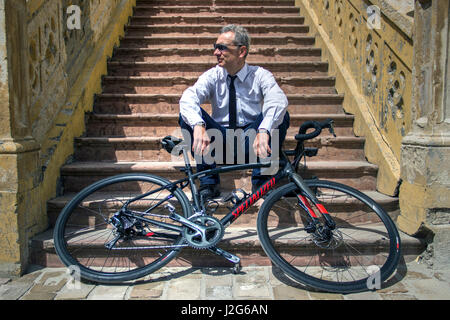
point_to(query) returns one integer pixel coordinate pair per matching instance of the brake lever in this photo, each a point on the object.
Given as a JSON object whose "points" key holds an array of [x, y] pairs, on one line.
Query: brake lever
{"points": [[329, 124], [331, 129]]}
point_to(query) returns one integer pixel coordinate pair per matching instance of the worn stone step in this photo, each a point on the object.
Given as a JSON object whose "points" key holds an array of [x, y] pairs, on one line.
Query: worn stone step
{"points": [[214, 3], [205, 54], [205, 9], [160, 41], [195, 68], [169, 103], [217, 19], [161, 84], [358, 174], [149, 148], [243, 242], [150, 124], [205, 29]]}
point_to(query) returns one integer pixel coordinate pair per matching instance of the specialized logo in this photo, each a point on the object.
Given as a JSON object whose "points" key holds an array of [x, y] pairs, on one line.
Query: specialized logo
{"points": [[253, 198]]}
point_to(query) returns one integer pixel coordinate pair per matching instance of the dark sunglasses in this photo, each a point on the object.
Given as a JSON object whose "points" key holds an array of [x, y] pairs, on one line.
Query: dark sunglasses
{"points": [[221, 47]]}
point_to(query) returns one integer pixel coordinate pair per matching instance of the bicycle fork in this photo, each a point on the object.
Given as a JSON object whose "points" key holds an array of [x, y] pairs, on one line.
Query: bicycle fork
{"points": [[304, 203]]}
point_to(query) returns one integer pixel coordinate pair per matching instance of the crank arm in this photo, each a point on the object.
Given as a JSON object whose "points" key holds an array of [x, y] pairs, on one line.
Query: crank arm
{"points": [[176, 217], [230, 257]]}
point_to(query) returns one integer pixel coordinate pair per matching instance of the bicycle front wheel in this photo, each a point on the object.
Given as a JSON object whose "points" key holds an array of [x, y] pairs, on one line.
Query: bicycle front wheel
{"points": [[111, 251], [362, 251]]}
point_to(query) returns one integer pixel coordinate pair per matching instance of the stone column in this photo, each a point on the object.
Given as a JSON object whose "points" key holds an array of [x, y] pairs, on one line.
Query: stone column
{"points": [[425, 157], [19, 152]]}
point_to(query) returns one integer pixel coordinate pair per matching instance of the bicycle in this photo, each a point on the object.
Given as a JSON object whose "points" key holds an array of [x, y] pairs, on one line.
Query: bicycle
{"points": [[127, 226]]}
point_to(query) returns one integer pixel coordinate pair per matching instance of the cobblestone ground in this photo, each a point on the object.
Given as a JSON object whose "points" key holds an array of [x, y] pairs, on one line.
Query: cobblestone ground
{"points": [[411, 282]]}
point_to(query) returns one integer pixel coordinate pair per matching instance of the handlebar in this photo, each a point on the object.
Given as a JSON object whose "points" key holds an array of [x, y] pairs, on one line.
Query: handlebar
{"points": [[318, 126]]}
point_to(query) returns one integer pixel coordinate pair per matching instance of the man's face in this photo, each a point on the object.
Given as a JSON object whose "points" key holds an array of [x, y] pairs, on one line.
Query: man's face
{"points": [[231, 58]]}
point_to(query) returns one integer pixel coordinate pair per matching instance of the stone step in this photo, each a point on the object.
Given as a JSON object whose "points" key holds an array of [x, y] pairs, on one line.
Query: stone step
{"points": [[205, 29], [214, 3], [196, 68], [170, 41], [152, 124], [169, 103], [167, 84], [358, 174], [217, 19], [149, 148], [145, 10], [243, 242], [205, 54]]}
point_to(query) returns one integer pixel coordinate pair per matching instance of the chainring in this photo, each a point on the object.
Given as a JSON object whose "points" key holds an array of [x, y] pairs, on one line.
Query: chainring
{"points": [[214, 232]]}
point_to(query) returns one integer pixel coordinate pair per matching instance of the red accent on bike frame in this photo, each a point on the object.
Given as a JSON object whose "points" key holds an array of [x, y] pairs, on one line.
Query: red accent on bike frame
{"points": [[150, 234], [321, 209], [306, 203], [252, 199]]}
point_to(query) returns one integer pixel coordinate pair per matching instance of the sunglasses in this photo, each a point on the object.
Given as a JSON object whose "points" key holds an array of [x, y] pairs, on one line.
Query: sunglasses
{"points": [[221, 47]]}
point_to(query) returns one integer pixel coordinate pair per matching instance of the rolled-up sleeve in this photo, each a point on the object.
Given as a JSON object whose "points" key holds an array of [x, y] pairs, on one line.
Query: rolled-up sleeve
{"points": [[193, 97], [275, 101]]}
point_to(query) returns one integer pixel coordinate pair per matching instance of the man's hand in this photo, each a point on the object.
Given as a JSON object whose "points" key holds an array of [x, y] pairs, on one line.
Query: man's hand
{"points": [[261, 145], [201, 140]]}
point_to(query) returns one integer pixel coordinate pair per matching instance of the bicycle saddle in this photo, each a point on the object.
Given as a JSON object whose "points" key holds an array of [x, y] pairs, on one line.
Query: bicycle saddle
{"points": [[169, 143]]}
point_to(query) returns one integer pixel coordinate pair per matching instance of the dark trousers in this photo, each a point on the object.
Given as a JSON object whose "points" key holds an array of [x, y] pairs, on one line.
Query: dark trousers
{"points": [[257, 178]]}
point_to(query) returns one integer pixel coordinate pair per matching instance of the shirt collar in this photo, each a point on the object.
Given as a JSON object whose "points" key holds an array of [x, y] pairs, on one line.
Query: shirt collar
{"points": [[242, 74]]}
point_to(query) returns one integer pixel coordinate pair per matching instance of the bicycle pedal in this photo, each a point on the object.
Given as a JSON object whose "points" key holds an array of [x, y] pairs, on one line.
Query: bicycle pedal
{"points": [[234, 198]]}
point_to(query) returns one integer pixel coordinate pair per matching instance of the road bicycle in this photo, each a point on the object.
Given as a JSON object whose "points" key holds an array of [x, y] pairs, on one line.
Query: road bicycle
{"points": [[321, 233]]}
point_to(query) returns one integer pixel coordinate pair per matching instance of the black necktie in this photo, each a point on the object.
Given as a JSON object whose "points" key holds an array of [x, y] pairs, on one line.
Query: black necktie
{"points": [[232, 104]]}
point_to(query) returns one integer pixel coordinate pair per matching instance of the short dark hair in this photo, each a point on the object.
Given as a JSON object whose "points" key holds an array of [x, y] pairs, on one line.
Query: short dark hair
{"points": [[241, 36]]}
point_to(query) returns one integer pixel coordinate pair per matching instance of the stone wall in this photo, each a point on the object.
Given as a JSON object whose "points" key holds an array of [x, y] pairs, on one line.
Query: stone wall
{"points": [[425, 165], [49, 74], [370, 53]]}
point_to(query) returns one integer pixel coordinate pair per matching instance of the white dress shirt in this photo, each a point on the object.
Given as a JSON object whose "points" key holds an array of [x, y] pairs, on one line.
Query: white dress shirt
{"points": [[256, 92]]}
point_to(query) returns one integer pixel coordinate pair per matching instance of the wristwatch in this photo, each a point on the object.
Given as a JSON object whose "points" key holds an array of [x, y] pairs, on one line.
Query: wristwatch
{"points": [[264, 131], [200, 123]]}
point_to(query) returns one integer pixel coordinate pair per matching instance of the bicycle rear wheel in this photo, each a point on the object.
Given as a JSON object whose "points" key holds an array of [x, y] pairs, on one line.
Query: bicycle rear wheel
{"points": [[86, 238], [362, 252]]}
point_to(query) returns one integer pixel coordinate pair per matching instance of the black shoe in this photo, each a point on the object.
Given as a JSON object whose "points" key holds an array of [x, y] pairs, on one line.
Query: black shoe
{"points": [[209, 191]]}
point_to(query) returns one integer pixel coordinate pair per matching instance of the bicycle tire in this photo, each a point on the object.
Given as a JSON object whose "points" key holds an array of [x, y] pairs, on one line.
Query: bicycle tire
{"points": [[310, 261], [84, 223]]}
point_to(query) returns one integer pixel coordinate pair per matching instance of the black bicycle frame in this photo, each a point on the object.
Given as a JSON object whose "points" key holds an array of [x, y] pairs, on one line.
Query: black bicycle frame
{"points": [[240, 208]]}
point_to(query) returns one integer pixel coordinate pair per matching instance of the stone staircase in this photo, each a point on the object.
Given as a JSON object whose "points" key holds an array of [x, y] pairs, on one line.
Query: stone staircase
{"points": [[167, 45]]}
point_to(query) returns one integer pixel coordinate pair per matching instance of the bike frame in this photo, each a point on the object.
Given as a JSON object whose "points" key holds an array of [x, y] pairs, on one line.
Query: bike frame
{"points": [[305, 198]]}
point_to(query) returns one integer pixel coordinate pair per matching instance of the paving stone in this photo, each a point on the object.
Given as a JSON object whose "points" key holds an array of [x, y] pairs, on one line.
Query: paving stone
{"points": [[219, 293], [389, 296], [368, 295], [251, 290], [396, 288], [325, 296], [429, 289], [184, 289], [104, 292], [75, 291], [283, 292], [145, 291], [14, 290], [39, 295], [4, 280]]}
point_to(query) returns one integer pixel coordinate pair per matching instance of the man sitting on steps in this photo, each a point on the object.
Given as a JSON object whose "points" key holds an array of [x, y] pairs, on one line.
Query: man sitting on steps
{"points": [[242, 97]]}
